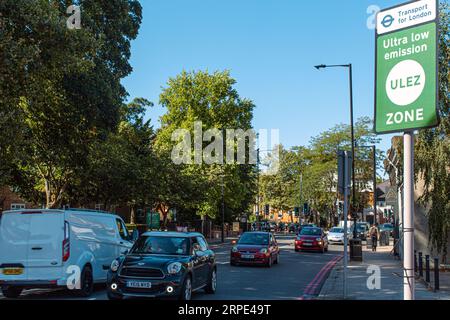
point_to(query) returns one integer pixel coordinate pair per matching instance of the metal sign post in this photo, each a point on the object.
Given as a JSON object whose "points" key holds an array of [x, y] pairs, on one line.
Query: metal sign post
{"points": [[408, 260], [406, 94], [344, 171]]}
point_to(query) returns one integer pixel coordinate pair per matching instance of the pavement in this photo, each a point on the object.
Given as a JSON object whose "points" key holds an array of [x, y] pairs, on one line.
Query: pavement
{"points": [[391, 280], [298, 276]]}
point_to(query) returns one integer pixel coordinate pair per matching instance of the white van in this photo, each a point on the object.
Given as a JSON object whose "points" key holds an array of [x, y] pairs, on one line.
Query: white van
{"points": [[54, 248]]}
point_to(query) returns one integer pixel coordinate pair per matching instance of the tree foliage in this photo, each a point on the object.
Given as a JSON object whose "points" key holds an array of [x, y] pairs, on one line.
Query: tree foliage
{"points": [[317, 164], [61, 89], [432, 155], [212, 99]]}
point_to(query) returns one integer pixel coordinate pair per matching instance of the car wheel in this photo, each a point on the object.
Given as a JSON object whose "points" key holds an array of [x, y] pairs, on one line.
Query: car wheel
{"points": [[11, 292], [269, 262], [212, 282], [87, 282], [186, 289], [112, 296]]}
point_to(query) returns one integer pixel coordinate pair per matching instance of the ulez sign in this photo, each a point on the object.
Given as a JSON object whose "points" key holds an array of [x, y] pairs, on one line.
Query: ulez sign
{"points": [[406, 76]]}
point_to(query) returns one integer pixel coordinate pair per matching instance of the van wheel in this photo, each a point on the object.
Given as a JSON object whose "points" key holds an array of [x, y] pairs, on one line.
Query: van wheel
{"points": [[11, 292], [87, 282], [212, 282]]}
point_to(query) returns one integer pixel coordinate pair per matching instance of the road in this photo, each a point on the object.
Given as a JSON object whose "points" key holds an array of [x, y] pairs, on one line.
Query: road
{"points": [[298, 276]]}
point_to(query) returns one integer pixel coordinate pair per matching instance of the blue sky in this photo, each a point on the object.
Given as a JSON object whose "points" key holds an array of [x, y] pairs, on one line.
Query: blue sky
{"points": [[270, 48]]}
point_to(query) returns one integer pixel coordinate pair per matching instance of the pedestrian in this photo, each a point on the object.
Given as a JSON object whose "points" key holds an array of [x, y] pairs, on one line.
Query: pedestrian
{"points": [[374, 235]]}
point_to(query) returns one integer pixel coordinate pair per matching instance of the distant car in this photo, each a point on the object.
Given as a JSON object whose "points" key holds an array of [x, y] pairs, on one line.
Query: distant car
{"points": [[272, 226], [164, 264], [336, 235], [255, 248], [311, 239], [293, 227], [387, 227], [362, 230]]}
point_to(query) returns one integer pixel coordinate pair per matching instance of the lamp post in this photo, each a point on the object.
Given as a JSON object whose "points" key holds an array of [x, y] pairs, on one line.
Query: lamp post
{"points": [[349, 66]]}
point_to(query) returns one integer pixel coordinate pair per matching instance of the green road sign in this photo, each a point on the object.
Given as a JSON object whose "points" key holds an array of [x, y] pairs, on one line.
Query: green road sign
{"points": [[152, 220], [406, 81]]}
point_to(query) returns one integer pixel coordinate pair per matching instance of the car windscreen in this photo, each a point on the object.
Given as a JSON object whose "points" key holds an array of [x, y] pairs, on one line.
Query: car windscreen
{"points": [[161, 245], [337, 230], [311, 232], [254, 239]]}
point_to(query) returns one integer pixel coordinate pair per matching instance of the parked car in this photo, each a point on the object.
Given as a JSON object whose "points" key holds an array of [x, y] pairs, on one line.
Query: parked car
{"points": [[336, 235], [164, 264], [37, 247], [255, 248], [311, 239], [388, 227]]}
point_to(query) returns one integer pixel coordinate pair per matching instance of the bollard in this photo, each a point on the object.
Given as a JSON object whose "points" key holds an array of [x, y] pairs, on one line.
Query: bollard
{"points": [[436, 274], [420, 265], [427, 268], [415, 261]]}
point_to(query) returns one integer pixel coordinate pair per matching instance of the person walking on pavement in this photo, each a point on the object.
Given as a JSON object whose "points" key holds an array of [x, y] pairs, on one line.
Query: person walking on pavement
{"points": [[374, 235]]}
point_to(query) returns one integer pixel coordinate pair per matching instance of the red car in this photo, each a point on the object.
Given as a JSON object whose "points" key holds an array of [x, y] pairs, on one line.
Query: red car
{"points": [[255, 248], [311, 239]]}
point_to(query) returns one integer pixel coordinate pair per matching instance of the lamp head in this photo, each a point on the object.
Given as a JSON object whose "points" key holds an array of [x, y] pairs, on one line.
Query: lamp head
{"points": [[320, 66]]}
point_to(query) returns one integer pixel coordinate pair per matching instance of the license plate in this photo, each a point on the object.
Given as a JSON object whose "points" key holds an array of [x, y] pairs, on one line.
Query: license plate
{"points": [[12, 271], [306, 244], [248, 256], [139, 284]]}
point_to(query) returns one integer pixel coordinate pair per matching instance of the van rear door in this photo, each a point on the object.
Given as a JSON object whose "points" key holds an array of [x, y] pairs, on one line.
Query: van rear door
{"points": [[45, 240], [14, 237]]}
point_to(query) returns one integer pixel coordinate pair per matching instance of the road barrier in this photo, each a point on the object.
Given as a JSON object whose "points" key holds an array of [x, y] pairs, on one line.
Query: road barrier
{"points": [[418, 268], [420, 265], [436, 274]]}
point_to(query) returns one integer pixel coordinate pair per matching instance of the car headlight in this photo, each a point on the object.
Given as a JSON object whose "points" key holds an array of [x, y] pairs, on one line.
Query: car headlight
{"points": [[115, 265], [234, 249], [263, 250], [174, 268], [319, 239]]}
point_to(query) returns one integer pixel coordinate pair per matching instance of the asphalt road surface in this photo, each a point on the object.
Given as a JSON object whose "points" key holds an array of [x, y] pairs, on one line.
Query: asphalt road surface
{"points": [[299, 275]]}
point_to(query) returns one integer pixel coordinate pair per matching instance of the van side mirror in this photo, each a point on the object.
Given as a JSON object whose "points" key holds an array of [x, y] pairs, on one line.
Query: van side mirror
{"points": [[135, 235]]}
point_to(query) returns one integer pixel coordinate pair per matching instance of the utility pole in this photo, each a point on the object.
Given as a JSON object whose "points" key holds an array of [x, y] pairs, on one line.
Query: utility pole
{"points": [[375, 212], [353, 153], [301, 195], [223, 192], [346, 202]]}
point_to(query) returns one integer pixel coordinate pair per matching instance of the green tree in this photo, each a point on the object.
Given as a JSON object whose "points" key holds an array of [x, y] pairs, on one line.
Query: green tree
{"points": [[212, 99], [67, 92], [432, 154]]}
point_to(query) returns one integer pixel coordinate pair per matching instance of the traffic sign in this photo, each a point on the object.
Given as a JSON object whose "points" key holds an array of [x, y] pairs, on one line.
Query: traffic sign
{"points": [[406, 76]]}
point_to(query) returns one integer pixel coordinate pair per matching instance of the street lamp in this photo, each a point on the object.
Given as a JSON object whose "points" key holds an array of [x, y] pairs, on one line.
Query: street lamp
{"points": [[349, 66]]}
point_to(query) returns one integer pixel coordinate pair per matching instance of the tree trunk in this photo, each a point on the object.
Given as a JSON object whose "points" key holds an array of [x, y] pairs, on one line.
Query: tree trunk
{"points": [[132, 215]]}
